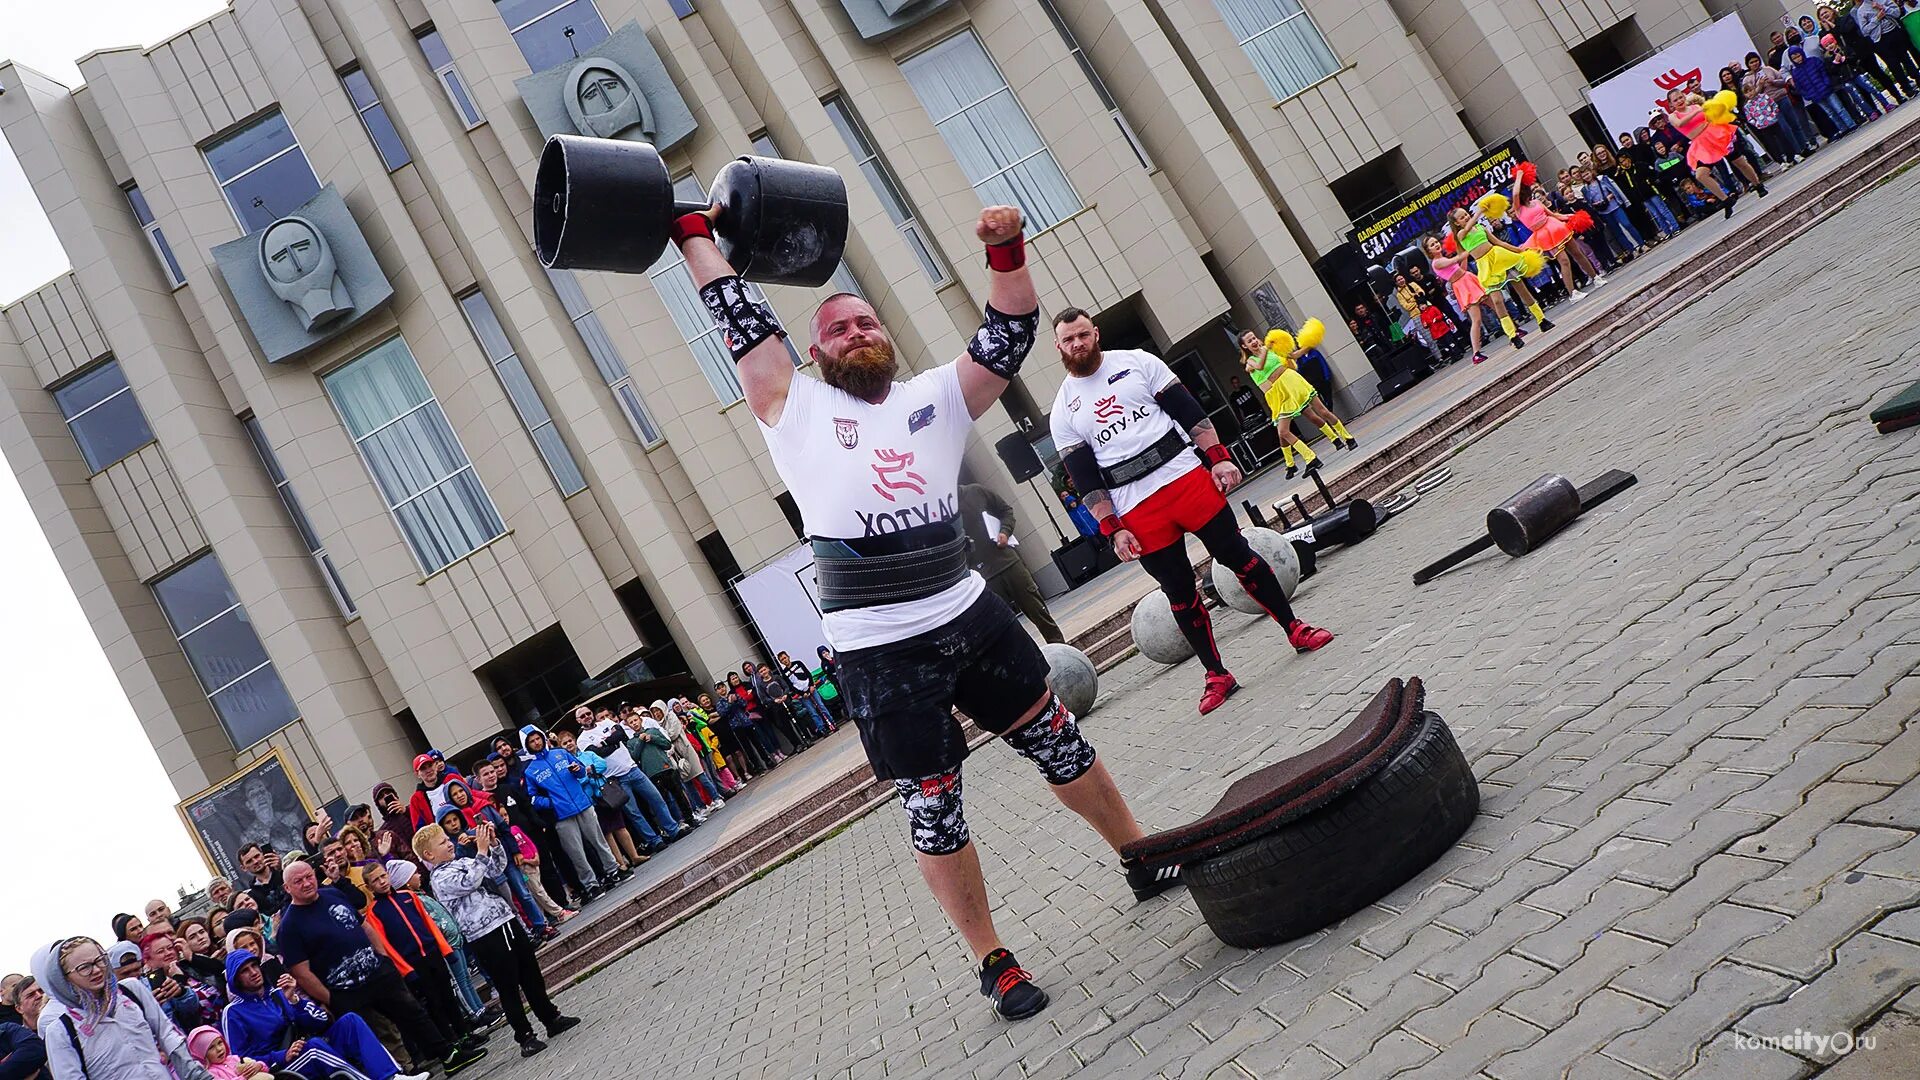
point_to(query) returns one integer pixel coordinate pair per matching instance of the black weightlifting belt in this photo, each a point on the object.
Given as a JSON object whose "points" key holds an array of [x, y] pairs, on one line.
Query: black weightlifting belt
{"points": [[1165, 449], [892, 568]]}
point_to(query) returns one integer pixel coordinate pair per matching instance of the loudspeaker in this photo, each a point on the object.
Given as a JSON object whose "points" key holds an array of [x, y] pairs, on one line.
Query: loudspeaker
{"points": [[1079, 562], [1016, 453]]}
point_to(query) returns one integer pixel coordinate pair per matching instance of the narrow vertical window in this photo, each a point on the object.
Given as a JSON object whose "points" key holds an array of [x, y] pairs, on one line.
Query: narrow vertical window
{"points": [[373, 115], [155, 238], [438, 58], [225, 652], [606, 358], [520, 390], [1099, 85], [298, 514]]}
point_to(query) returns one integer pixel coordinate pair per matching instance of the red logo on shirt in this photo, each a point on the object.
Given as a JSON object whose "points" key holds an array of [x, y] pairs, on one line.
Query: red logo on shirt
{"points": [[895, 470], [1107, 408]]}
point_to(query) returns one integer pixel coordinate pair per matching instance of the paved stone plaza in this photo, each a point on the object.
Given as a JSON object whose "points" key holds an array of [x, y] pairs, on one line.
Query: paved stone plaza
{"points": [[1689, 715]]}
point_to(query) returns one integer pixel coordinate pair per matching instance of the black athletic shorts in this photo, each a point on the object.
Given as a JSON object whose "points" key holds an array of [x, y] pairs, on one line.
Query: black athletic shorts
{"points": [[902, 694]]}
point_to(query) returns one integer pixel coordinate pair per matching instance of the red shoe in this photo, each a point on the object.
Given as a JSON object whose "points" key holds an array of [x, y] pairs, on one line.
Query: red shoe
{"points": [[1219, 688], [1304, 638]]}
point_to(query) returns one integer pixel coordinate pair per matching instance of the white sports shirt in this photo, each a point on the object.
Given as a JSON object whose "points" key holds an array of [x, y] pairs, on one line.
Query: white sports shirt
{"points": [[857, 469], [1113, 411]]}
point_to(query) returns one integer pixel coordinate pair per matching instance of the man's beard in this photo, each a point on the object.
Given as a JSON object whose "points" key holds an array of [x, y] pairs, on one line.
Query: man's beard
{"points": [[1082, 368], [865, 372]]}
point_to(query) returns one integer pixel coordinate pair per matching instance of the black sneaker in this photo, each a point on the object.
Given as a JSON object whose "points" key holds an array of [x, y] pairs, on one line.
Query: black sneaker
{"points": [[531, 1045], [463, 1056], [1353, 443], [1313, 466], [1147, 884], [1010, 987], [561, 1025], [592, 893], [1546, 324]]}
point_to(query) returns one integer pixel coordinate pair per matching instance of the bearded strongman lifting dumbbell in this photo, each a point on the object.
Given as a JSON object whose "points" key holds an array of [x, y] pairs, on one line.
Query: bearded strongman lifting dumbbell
{"points": [[875, 467], [1122, 424]]}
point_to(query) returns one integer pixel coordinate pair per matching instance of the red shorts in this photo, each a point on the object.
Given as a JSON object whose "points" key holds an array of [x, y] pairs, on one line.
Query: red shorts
{"points": [[1174, 510]]}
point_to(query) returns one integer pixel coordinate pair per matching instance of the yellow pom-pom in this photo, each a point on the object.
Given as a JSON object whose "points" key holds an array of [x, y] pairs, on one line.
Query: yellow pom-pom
{"points": [[1494, 205], [1312, 333], [1279, 342], [1721, 107], [1532, 262]]}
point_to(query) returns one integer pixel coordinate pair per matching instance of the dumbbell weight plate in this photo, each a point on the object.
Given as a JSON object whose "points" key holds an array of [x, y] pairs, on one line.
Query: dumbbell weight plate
{"points": [[601, 204], [781, 222]]}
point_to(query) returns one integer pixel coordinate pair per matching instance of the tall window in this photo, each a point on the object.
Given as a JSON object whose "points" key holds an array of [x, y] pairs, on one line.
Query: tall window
{"points": [[374, 116], [233, 667], [105, 419], [262, 171], [1099, 85], [410, 449], [1280, 38], [161, 249], [881, 179], [988, 132], [526, 400], [612, 366], [551, 32], [683, 302], [438, 58], [842, 279], [284, 488]]}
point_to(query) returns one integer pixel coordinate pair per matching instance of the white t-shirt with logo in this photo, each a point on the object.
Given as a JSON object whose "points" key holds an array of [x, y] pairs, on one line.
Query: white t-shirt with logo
{"points": [[857, 470], [1113, 412]]}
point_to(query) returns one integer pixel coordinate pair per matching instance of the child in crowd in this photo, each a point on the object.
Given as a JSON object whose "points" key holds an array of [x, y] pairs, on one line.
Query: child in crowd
{"points": [[209, 1048], [1818, 88]]}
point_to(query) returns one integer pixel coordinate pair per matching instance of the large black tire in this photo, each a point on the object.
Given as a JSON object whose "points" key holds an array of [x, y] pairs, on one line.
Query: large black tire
{"points": [[1333, 862]]}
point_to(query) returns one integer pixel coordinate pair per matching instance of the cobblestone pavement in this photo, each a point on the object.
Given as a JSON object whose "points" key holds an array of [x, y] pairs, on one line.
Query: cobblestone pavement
{"points": [[1691, 715]]}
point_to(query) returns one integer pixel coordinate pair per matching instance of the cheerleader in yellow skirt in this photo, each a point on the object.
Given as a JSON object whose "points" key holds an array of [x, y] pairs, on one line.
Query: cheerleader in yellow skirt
{"points": [[1495, 260], [1274, 369]]}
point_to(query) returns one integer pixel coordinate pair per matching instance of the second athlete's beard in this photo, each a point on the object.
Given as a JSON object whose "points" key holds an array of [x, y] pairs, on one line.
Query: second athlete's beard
{"points": [[864, 372], [1083, 367]]}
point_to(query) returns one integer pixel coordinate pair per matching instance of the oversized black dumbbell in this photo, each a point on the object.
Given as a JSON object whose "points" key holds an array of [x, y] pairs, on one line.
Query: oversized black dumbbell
{"points": [[1533, 514], [607, 204]]}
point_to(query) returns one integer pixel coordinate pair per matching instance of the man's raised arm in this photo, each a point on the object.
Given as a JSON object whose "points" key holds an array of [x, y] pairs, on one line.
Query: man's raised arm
{"points": [[1005, 337], [752, 331]]}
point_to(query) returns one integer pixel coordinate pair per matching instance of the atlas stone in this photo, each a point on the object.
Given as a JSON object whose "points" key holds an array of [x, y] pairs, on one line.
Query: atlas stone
{"points": [[1278, 551], [1155, 633], [1073, 677]]}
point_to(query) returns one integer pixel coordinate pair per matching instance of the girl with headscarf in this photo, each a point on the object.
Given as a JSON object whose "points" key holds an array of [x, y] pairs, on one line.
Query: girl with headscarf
{"points": [[701, 730], [117, 1028]]}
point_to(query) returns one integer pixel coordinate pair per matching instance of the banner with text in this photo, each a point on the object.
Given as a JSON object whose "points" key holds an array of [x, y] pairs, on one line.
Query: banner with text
{"points": [[1625, 100], [1396, 226]]}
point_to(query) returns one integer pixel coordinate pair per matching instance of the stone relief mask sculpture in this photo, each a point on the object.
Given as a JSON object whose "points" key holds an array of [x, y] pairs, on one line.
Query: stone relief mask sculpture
{"points": [[605, 102], [299, 268]]}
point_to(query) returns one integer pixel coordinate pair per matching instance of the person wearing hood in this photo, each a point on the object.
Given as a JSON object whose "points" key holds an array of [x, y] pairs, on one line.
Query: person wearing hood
{"points": [[510, 793], [530, 859], [404, 929], [96, 1027], [393, 839], [492, 930], [756, 748], [706, 744], [553, 784], [476, 807], [430, 795], [646, 812], [653, 748], [288, 1032], [697, 765]]}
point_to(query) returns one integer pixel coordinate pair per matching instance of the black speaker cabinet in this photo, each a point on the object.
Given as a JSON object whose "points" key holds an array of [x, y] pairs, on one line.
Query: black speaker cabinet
{"points": [[1016, 453], [1079, 561]]}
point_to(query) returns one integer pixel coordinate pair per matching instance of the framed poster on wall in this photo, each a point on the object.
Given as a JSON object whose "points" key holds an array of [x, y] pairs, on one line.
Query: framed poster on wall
{"points": [[260, 803]]}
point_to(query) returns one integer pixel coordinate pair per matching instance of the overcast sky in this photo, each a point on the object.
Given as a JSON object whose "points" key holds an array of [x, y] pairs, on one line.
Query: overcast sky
{"points": [[90, 824]]}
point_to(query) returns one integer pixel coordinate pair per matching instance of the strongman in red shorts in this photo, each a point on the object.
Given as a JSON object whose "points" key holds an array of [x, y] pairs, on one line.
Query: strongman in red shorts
{"points": [[1122, 423]]}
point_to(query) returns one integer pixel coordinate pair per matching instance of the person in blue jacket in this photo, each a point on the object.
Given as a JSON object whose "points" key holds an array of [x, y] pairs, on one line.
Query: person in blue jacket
{"points": [[259, 1020], [553, 779]]}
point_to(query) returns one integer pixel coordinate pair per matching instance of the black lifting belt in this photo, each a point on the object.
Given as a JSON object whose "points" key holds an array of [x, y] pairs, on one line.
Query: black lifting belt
{"points": [[1165, 449], [892, 568]]}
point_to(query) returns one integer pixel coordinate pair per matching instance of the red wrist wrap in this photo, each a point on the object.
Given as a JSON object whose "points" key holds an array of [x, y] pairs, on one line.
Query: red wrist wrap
{"points": [[1216, 454], [1011, 255], [1110, 524], [687, 226]]}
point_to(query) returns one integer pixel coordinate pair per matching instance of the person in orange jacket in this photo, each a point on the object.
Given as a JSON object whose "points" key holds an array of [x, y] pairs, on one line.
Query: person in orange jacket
{"points": [[404, 930]]}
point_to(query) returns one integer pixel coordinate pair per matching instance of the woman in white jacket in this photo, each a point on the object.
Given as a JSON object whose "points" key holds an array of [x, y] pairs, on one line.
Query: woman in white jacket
{"points": [[98, 1028]]}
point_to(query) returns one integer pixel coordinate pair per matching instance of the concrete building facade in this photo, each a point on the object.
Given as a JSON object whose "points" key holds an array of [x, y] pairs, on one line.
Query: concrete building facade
{"points": [[424, 487]]}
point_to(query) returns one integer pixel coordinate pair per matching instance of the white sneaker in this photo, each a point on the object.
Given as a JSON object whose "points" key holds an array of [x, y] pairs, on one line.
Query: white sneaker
{"points": [[1576, 295], [413, 1076], [1598, 281], [717, 804], [699, 817]]}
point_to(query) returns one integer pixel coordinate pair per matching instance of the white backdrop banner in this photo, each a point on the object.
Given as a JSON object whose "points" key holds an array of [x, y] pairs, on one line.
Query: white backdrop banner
{"points": [[1624, 101], [782, 600]]}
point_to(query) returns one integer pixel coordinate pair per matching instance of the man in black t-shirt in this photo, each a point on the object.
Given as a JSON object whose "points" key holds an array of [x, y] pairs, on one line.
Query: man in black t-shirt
{"points": [[332, 958]]}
